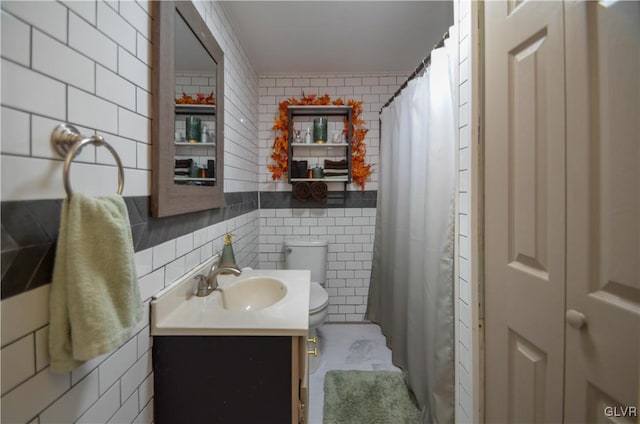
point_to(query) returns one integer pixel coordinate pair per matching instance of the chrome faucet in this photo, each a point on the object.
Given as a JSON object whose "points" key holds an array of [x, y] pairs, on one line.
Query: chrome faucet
{"points": [[206, 285]]}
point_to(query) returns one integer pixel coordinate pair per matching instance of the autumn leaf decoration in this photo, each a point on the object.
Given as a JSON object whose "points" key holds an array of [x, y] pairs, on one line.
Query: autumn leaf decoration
{"points": [[200, 99], [360, 170]]}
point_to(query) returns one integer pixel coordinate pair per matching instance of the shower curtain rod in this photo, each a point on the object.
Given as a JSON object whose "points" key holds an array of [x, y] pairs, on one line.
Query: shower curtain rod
{"points": [[421, 66]]}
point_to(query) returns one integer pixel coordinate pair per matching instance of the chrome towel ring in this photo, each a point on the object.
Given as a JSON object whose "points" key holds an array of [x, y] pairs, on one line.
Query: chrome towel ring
{"points": [[68, 142]]}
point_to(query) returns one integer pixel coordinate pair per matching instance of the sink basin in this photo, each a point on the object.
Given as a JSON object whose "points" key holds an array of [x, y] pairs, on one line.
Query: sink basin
{"points": [[252, 294], [269, 302]]}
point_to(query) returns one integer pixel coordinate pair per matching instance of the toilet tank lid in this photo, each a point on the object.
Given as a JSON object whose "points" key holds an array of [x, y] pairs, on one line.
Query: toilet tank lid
{"points": [[305, 243]]}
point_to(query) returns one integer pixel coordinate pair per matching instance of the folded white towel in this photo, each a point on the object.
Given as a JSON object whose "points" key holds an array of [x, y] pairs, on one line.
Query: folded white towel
{"points": [[95, 298]]}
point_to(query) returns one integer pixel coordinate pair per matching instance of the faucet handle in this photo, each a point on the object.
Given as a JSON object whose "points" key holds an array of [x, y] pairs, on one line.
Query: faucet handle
{"points": [[203, 285]]}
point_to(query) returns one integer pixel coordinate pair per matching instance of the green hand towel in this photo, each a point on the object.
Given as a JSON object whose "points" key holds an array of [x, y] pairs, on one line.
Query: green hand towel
{"points": [[95, 298]]}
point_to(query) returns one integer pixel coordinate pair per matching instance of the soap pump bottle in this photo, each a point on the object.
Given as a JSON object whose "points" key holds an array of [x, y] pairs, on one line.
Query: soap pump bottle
{"points": [[228, 259]]}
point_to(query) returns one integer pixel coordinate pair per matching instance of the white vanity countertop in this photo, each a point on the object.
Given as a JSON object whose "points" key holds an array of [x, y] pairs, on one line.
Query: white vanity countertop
{"points": [[176, 311]]}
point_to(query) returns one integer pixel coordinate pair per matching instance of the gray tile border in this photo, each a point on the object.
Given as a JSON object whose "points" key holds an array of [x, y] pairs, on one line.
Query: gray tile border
{"points": [[30, 229], [335, 199]]}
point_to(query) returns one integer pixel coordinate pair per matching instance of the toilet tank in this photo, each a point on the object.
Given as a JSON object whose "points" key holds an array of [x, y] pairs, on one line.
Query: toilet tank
{"points": [[307, 254]]}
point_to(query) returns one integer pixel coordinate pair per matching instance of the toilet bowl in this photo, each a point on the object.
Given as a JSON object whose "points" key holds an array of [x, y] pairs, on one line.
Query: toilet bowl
{"points": [[311, 255], [318, 306]]}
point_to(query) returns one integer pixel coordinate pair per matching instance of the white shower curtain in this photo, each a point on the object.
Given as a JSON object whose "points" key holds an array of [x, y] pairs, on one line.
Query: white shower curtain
{"points": [[411, 290]]}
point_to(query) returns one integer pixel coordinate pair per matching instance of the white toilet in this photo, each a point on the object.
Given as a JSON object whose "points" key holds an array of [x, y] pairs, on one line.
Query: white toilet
{"points": [[311, 255]]}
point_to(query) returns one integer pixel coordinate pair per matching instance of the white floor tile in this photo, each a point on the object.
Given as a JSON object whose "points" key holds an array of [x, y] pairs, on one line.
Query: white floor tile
{"points": [[346, 347]]}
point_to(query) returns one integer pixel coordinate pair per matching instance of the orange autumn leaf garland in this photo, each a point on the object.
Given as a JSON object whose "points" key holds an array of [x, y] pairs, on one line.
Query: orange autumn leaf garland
{"points": [[200, 99], [360, 170]]}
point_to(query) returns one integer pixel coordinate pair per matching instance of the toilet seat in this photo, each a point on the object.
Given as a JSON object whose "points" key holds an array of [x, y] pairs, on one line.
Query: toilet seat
{"points": [[318, 298]]}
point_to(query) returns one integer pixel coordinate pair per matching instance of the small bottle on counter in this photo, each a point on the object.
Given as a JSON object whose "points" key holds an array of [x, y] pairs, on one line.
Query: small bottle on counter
{"points": [[307, 136], [205, 135]]}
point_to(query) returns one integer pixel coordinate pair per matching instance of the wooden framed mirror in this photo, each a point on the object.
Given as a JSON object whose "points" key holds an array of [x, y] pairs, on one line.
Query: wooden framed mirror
{"points": [[188, 112]]}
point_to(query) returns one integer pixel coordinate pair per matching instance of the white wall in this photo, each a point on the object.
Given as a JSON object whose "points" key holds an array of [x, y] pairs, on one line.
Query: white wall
{"points": [[350, 231], [82, 63], [88, 63], [118, 386], [373, 89], [468, 328], [350, 234]]}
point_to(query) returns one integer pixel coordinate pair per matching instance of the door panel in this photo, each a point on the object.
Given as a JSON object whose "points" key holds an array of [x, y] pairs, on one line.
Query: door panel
{"points": [[525, 173], [603, 233], [524, 211], [597, 403], [527, 380], [527, 140]]}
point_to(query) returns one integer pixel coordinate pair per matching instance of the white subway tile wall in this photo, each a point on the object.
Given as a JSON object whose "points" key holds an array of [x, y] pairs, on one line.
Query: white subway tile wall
{"points": [[118, 386], [241, 104], [103, 86], [53, 58], [89, 63], [350, 234], [15, 128], [16, 38], [48, 16], [465, 409], [21, 85], [16, 363], [372, 89]]}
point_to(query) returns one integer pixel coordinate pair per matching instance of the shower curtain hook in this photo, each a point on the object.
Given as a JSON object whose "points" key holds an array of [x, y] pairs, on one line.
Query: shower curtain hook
{"points": [[445, 35]]}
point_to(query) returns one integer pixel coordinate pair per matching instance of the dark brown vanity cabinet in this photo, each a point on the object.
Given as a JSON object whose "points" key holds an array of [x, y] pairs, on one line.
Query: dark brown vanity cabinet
{"points": [[230, 379]]}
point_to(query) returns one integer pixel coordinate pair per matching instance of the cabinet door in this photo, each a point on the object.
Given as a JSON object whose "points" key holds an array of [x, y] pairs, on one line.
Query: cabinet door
{"points": [[222, 379], [603, 211]]}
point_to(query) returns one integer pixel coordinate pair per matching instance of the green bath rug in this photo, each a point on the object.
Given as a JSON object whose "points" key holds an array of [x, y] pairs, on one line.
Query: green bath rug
{"points": [[368, 397]]}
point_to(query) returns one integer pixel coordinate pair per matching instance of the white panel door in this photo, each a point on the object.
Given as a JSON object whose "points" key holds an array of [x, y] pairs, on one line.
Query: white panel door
{"points": [[603, 212], [524, 211]]}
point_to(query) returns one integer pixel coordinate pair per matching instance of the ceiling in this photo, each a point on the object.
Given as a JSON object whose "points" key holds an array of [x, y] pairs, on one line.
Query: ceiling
{"points": [[338, 36]]}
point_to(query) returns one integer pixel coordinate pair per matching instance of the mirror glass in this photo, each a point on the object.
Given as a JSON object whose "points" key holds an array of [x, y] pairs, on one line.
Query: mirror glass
{"points": [[195, 116]]}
